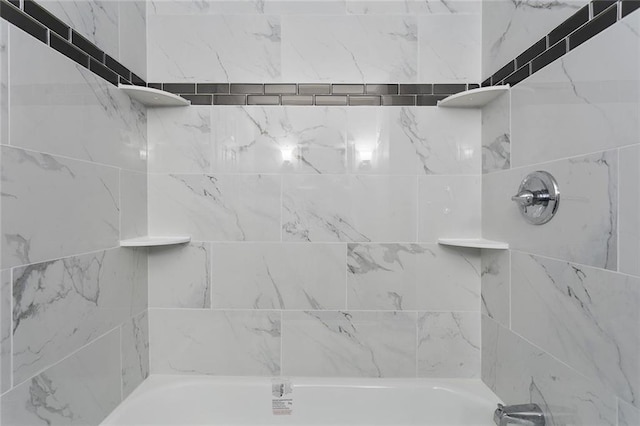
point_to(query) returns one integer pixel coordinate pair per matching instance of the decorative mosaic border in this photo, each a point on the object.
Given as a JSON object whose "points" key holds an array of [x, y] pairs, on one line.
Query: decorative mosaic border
{"points": [[577, 29]]}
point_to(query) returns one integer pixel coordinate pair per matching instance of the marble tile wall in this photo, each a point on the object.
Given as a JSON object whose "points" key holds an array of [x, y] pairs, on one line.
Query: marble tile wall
{"points": [[73, 304], [314, 230], [560, 320]]}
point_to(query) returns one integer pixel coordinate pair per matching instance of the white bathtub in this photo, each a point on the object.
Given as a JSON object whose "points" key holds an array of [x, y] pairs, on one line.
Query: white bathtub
{"points": [[203, 400]]}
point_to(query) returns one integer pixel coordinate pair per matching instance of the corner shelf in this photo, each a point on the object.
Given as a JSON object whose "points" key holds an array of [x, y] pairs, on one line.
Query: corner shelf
{"points": [[153, 97], [154, 241], [474, 98], [480, 243]]}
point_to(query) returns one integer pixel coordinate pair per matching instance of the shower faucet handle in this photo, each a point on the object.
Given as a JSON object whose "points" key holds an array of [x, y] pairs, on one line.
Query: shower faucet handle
{"points": [[524, 198]]}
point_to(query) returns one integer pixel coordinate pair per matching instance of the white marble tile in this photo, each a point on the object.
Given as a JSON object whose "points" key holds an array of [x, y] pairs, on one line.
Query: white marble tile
{"points": [[509, 28], [412, 140], [519, 372], [496, 134], [584, 229], [413, 7], [133, 204], [627, 414], [54, 207], [496, 285], [61, 305], [180, 140], [200, 341], [214, 48], [133, 36], [135, 352], [80, 390], [215, 207], [629, 211], [96, 20], [450, 48], [356, 344], [180, 276], [278, 276], [246, 7], [4, 82], [411, 276], [586, 317], [5, 330], [449, 207], [59, 107], [279, 140], [449, 344], [349, 48], [585, 105], [349, 208]]}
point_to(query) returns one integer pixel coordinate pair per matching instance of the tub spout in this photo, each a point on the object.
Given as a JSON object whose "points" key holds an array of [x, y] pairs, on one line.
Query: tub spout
{"points": [[522, 414]]}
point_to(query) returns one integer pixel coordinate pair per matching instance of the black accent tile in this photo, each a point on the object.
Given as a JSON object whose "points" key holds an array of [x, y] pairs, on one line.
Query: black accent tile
{"points": [[569, 25], [41, 15], [381, 89], [280, 89], [179, 88], [123, 80], [487, 82], [595, 26], [398, 100], [199, 99], [429, 100], [515, 78], [629, 6], [531, 52], [448, 89], [16, 3], [550, 55], [473, 86], [104, 72], [503, 72], [68, 50], [117, 67], [347, 89], [364, 100], [600, 6], [331, 100], [263, 100], [416, 89], [86, 46], [137, 80], [314, 89], [247, 89], [222, 88], [23, 21], [229, 100], [155, 85], [297, 100]]}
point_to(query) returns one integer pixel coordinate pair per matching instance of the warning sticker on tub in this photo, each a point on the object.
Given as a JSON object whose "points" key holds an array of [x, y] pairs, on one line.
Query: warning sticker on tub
{"points": [[282, 397]]}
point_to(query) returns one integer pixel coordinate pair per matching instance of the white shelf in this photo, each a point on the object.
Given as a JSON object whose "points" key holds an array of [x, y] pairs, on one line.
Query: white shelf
{"points": [[474, 98], [154, 241], [153, 97], [474, 243]]}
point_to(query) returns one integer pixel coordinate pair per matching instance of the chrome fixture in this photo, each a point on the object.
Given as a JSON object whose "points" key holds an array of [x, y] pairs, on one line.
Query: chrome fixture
{"points": [[522, 414], [538, 197]]}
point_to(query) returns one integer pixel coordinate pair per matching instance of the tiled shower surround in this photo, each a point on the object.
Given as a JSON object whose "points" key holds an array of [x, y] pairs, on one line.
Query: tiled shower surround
{"points": [[314, 229]]}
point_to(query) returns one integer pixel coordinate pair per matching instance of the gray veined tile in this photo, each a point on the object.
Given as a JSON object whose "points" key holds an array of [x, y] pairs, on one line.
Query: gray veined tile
{"points": [[496, 285], [496, 135], [586, 317], [133, 204], [278, 276], [412, 7], [180, 276], [133, 36], [215, 207], [5, 330], [80, 390], [54, 207], [61, 305], [199, 341], [629, 211], [518, 371], [135, 352], [449, 344], [628, 415], [356, 344]]}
